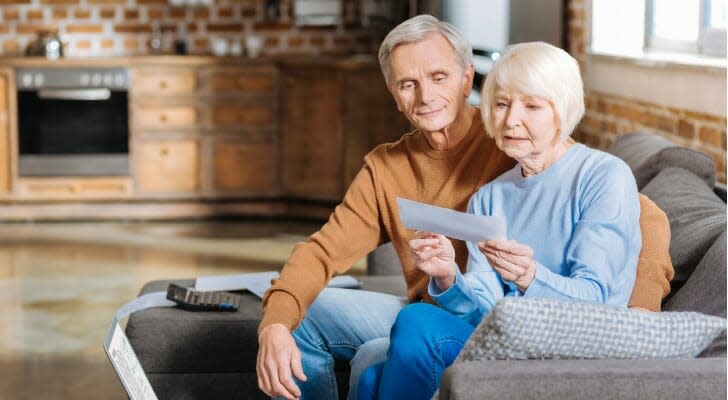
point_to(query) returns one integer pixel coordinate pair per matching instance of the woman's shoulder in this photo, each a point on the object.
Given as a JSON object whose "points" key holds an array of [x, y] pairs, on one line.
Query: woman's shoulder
{"points": [[598, 162]]}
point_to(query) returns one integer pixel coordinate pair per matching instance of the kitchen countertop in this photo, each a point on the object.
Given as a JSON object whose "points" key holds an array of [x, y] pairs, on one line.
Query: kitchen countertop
{"points": [[354, 61]]}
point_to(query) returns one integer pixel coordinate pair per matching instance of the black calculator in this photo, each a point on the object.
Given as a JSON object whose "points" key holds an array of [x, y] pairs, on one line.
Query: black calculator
{"points": [[193, 300]]}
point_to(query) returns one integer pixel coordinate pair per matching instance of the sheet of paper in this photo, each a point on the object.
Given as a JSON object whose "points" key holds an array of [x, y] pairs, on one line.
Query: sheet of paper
{"points": [[451, 223], [126, 364], [258, 282]]}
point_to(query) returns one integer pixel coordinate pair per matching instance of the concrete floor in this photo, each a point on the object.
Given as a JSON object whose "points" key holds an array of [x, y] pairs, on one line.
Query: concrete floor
{"points": [[61, 283]]}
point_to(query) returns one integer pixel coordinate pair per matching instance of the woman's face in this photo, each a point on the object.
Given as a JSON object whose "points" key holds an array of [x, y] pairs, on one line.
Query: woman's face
{"points": [[525, 127]]}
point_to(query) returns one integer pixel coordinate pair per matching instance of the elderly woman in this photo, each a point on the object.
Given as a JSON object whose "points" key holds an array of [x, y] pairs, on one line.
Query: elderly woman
{"points": [[572, 214]]}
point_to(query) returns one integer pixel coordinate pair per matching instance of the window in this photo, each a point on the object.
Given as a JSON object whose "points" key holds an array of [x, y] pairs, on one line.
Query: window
{"points": [[638, 27]]}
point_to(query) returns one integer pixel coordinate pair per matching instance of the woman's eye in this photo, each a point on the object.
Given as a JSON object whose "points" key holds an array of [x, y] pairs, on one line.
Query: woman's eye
{"points": [[533, 107], [501, 104]]}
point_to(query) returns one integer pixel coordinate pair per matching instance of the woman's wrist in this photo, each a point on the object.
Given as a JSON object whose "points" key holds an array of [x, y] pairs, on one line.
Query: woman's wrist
{"points": [[446, 281]]}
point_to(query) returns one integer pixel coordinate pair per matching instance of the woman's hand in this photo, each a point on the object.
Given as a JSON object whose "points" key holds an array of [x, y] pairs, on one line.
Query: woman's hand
{"points": [[512, 260], [435, 256]]}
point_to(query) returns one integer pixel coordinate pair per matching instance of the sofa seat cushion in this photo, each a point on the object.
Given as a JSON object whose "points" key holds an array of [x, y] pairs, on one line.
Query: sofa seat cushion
{"points": [[705, 292], [648, 154], [172, 340], [697, 217], [523, 328]]}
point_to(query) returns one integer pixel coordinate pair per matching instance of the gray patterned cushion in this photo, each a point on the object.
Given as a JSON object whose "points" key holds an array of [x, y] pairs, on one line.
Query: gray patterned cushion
{"points": [[557, 329]]}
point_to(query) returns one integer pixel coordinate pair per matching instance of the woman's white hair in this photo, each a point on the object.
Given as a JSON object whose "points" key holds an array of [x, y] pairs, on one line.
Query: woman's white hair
{"points": [[417, 28], [538, 69]]}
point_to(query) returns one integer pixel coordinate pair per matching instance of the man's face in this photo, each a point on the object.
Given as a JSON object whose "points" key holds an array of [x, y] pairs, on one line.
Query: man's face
{"points": [[428, 84]]}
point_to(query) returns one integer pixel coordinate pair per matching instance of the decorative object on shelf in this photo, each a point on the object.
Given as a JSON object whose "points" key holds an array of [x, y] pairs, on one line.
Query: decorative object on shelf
{"points": [[253, 45], [48, 44], [219, 46], [317, 12]]}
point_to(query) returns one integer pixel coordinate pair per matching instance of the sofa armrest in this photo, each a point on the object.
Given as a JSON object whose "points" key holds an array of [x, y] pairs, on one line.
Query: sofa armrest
{"points": [[700, 378], [384, 261]]}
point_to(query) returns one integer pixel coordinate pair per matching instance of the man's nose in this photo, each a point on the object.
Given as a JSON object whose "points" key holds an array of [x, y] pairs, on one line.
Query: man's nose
{"points": [[427, 92]]}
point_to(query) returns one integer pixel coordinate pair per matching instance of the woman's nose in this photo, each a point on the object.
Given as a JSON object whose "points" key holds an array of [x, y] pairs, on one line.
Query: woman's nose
{"points": [[513, 118]]}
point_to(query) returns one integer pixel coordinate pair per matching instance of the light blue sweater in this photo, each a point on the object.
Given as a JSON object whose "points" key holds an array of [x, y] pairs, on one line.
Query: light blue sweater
{"points": [[580, 216]]}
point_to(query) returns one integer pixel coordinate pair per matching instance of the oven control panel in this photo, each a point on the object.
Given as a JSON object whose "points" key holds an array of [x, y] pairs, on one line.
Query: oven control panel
{"points": [[42, 78]]}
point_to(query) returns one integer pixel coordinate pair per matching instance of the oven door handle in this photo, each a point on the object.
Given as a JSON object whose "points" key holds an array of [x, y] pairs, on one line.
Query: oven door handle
{"points": [[75, 94]]}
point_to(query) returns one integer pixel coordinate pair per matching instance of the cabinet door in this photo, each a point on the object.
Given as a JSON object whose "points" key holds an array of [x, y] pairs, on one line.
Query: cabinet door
{"points": [[168, 166], [312, 137], [244, 168], [163, 81], [5, 113]]}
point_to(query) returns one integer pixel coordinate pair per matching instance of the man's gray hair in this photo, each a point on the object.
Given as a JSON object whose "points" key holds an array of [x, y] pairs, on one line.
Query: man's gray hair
{"points": [[417, 28]]}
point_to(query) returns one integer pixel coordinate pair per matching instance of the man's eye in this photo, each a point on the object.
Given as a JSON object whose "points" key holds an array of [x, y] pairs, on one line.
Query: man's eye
{"points": [[407, 85], [439, 78]]}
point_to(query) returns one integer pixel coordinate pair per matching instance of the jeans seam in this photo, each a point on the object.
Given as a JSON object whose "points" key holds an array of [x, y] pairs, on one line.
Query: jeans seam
{"points": [[434, 383]]}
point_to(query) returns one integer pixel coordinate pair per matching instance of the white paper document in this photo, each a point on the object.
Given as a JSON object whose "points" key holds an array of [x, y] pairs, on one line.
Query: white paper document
{"points": [[257, 283], [451, 223]]}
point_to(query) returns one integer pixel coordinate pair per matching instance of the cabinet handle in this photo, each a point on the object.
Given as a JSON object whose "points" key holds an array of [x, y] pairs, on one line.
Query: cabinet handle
{"points": [[163, 118], [164, 152], [163, 84]]}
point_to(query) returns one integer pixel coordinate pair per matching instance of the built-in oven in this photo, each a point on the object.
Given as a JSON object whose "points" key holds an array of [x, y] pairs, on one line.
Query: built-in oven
{"points": [[73, 121]]}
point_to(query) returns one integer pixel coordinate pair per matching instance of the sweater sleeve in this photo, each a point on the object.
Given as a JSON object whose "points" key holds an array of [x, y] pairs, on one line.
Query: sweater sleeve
{"points": [[474, 294], [605, 242], [353, 229], [654, 268]]}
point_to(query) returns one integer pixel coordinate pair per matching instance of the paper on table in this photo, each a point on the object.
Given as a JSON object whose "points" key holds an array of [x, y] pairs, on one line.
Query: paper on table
{"points": [[451, 223], [257, 283]]}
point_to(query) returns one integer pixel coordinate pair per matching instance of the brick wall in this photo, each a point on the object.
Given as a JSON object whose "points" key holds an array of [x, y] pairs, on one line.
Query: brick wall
{"points": [[124, 27], [609, 116]]}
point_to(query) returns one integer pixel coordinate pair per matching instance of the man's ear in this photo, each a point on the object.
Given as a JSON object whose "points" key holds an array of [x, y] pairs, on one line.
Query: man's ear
{"points": [[469, 74]]}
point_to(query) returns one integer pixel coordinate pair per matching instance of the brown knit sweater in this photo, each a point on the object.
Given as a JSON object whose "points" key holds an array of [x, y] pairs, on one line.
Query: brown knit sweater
{"points": [[368, 217]]}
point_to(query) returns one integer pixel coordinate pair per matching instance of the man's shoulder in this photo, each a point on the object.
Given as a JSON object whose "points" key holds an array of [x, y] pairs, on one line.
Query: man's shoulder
{"points": [[402, 146]]}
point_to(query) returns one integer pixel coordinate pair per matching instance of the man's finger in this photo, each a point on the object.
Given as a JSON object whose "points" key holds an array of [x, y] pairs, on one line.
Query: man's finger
{"points": [[297, 366], [288, 386]]}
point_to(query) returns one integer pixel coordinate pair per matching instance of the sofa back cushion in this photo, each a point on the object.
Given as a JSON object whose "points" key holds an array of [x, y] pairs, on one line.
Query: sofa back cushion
{"points": [[697, 217], [648, 154]]}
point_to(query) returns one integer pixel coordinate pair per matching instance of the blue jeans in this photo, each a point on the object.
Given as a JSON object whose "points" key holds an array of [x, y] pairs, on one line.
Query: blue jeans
{"points": [[347, 324], [425, 340]]}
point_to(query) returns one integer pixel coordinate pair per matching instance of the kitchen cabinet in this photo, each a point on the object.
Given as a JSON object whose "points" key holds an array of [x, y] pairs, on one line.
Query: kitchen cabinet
{"points": [[333, 114], [6, 88], [219, 128]]}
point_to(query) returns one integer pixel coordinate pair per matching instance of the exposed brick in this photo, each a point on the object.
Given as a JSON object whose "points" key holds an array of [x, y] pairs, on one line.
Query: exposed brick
{"points": [[295, 41], [107, 13], [131, 14], [686, 129], [82, 14], [59, 13], [225, 12], [318, 28], [14, 2], [231, 27], [82, 44], [177, 13], [34, 15], [85, 28], [249, 12], [11, 14], [11, 46], [202, 43], [342, 40], [69, 2], [131, 43], [271, 41], [4, 28], [106, 43], [201, 13], [147, 2], [667, 123], [271, 26], [132, 28], [317, 41], [33, 28], [155, 13], [121, 2], [711, 135], [648, 118], [704, 117]]}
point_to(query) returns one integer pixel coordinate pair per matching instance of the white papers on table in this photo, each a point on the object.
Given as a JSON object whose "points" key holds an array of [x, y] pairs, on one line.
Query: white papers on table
{"points": [[451, 223], [257, 283]]}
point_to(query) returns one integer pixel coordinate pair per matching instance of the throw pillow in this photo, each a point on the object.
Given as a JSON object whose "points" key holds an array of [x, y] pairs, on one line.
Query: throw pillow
{"points": [[522, 328], [697, 216], [648, 154]]}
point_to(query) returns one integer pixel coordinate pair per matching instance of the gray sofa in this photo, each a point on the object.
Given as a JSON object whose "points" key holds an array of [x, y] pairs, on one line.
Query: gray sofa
{"points": [[189, 355]]}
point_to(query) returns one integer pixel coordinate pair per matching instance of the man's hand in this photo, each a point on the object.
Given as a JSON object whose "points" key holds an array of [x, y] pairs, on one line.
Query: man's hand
{"points": [[278, 359], [434, 255], [512, 260]]}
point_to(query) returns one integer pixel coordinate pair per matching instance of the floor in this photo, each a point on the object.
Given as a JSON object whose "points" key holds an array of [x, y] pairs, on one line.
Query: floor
{"points": [[60, 284]]}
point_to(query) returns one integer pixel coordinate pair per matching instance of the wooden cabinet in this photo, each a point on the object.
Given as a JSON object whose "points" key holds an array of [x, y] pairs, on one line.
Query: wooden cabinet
{"points": [[205, 131], [6, 88], [333, 115]]}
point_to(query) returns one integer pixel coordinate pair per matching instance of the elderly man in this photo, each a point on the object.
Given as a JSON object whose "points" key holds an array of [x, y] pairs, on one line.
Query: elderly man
{"points": [[428, 68]]}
